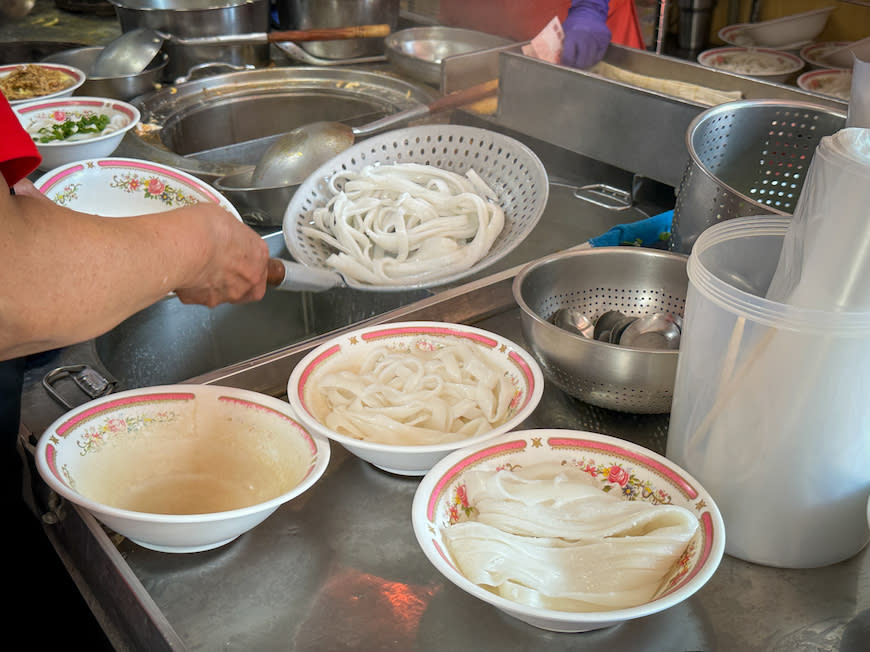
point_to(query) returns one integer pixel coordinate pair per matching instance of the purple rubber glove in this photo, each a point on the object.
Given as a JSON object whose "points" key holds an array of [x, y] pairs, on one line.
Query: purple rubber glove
{"points": [[586, 33]]}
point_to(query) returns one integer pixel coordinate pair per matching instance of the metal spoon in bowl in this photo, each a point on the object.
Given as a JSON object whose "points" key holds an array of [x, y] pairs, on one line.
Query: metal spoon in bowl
{"points": [[296, 154], [129, 54], [573, 321], [661, 330]]}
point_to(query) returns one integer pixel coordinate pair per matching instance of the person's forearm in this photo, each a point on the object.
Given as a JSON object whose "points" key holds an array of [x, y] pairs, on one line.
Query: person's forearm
{"points": [[93, 272]]}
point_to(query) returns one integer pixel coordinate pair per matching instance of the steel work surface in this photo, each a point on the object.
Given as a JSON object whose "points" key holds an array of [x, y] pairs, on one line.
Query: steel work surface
{"points": [[340, 568]]}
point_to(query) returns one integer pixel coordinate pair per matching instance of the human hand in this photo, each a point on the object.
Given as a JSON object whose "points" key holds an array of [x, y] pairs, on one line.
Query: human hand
{"points": [[234, 264], [586, 33]]}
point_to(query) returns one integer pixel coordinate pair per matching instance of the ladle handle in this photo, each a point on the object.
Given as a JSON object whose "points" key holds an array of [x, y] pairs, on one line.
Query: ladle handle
{"points": [[465, 96], [296, 277], [330, 33], [451, 101]]}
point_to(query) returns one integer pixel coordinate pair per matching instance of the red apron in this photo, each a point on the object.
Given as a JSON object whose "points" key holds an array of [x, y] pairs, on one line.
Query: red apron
{"points": [[18, 154]]}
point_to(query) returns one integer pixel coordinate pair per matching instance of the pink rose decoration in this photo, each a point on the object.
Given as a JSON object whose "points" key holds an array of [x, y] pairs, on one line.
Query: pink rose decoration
{"points": [[60, 116], [462, 495], [155, 186], [618, 475], [116, 425]]}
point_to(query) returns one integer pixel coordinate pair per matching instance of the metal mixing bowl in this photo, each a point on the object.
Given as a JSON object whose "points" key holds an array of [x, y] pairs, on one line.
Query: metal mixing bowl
{"points": [[121, 87], [418, 51], [633, 280]]}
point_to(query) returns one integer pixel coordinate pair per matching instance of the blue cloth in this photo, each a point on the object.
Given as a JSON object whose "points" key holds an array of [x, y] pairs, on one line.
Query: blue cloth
{"points": [[643, 232]]}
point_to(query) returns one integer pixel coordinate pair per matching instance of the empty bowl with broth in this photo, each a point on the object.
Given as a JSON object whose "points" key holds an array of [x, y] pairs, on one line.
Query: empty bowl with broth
{"points": [[69, 129], [181, 468], [401, 396], [566, 530]]}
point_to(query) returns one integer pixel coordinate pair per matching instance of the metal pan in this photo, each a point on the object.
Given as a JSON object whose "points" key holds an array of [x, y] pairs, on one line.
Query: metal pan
{"points": [[507, 166]]}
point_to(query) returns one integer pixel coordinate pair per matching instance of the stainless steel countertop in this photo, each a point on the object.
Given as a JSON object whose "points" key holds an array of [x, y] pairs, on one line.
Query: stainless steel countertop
{"points": [[339, 568]]}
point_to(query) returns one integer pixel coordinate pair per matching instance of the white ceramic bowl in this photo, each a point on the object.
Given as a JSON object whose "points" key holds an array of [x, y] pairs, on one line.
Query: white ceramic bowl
{"points": [[181, 468], [121, 187], [814, 53], [44, 114], [759, 63], [737, 36], [795, 28], [833, 82], [614, 465], [500, 354], [76, 76]]}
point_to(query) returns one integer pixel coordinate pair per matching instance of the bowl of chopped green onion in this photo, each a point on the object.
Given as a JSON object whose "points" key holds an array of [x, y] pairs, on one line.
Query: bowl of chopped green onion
{"points": [[69, 129]]}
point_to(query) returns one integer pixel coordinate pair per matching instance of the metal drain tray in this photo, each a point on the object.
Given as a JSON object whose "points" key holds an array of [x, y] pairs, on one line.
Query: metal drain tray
{"points": [[632, 128]]}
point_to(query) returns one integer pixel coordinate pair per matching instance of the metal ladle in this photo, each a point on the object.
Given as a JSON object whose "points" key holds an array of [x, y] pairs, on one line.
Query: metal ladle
{"points": [[661, 330], [129, 54], [296, 154], [573, 321]]}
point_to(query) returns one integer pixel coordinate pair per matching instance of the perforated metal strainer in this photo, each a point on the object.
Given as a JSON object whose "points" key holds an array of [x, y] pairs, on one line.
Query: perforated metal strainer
{"points": [[633, 280], [747, 158], [508, 167]]}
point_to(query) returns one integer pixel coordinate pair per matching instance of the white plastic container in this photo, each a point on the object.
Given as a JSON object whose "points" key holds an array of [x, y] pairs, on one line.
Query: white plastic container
{"points": [[771, 410]]}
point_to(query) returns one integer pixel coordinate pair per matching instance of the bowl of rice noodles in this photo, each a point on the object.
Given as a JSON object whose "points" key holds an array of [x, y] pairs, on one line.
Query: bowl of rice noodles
{"points": [[69, 129], [759, 63], [568, 531], [403, 395]]}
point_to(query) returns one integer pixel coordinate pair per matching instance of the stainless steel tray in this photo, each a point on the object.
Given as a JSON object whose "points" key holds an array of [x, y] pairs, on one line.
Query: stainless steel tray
{"points": [[632, 128]]}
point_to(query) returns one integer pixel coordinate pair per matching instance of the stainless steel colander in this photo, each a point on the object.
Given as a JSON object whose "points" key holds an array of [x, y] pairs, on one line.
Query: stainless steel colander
{"points": [[746, 158], [633, 280]]}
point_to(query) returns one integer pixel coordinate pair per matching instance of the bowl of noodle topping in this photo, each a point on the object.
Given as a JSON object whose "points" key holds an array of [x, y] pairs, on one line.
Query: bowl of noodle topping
{"points": [[568, 531], [401, 396], [69, 129], [24, 82]]}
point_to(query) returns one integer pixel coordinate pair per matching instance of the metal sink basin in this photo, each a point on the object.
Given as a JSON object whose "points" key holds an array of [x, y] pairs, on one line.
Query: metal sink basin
{"points": [[171, 342]]}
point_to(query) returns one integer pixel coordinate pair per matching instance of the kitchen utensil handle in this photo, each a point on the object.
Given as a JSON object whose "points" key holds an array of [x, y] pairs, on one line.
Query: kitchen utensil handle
{"points": [[451, 101], [296, 277], [331, 33], [465, 96]]}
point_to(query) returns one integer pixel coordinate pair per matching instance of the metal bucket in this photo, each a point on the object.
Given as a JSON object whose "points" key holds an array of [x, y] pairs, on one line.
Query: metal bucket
{"points": [[191, 18], [748, 157], [311, 14]]}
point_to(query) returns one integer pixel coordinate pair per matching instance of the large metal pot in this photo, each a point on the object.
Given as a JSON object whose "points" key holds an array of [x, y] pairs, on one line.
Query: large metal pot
{"points": [[309, 14], [190, 18]]}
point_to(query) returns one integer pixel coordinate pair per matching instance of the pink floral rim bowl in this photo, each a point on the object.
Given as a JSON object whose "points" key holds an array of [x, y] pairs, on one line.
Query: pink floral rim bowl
{"points": [[122, 187], [516, 370], [456, 492], [181, 468]]}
